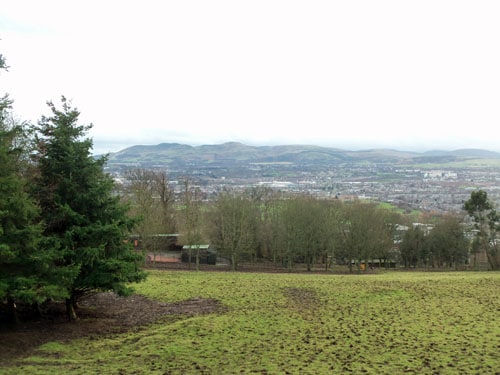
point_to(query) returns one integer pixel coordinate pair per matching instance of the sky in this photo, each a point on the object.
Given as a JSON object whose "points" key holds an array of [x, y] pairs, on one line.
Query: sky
{"points": [[408, 75]]}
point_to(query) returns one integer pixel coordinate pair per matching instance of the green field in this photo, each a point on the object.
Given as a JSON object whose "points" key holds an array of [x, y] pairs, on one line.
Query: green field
{"points": [[394, 323]]}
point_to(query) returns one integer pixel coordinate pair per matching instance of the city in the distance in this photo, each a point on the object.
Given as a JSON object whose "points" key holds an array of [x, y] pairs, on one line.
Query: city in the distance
{"points": [[432, 181]]}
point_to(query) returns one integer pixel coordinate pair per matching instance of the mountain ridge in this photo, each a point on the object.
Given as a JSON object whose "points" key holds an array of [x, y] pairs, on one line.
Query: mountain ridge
{"points": [[236, 152]]}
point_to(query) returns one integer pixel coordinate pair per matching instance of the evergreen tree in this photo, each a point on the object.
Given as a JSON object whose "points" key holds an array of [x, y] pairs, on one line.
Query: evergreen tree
{"points": [[82, 215], [486, 220], [25, 269], [3, 63]]}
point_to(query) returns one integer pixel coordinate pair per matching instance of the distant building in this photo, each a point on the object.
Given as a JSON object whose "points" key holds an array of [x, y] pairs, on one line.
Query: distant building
{"points": [[206, 254]]}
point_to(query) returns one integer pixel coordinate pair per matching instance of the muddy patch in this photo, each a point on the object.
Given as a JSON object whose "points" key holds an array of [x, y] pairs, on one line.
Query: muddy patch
{"points": [[99, 314]]}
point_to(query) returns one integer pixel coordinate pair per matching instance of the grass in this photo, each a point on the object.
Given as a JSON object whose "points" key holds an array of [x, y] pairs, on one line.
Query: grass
{"points": [[417, 323]]}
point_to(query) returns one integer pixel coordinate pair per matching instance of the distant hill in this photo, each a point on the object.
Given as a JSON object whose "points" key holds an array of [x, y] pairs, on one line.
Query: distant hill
{"points": [[234, 153], [467, 152]]}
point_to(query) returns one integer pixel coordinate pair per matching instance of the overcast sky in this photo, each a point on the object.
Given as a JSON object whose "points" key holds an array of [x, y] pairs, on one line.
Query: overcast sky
{"points": [[410, 75]]}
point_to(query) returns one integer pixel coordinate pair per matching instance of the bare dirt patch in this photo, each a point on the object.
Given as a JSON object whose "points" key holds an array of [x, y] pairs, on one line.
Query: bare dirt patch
{"points": [[99, 314]]}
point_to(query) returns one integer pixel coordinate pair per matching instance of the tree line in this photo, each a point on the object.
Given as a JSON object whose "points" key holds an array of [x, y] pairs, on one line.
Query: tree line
{"points": [[286, 229]]}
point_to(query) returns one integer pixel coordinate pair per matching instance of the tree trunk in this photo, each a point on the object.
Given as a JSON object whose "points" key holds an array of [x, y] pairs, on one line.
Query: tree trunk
{"points": [[70, 309], [492, 254], [494, 261], [198, 258], [233, 262], [332, 262], [154, 259], [36, 310], [12, 316], [490, 261]]}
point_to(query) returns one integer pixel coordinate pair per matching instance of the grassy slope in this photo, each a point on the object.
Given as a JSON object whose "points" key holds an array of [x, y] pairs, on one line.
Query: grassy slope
{"points": [[295, 323]]}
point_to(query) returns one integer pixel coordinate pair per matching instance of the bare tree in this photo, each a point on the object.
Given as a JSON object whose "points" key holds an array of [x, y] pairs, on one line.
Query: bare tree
{"points": [[233, 222], [152, 199], [365, 232], [270, 234], [330, 231], [191, 220], [303, 217]]}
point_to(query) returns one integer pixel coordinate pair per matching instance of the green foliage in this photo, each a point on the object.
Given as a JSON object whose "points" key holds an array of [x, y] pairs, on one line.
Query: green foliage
{"points": [[3, 63], [420, 323], [477, 206], [486, 221], [83, 218], [447, 243], [73, 240], [25, 269]]}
